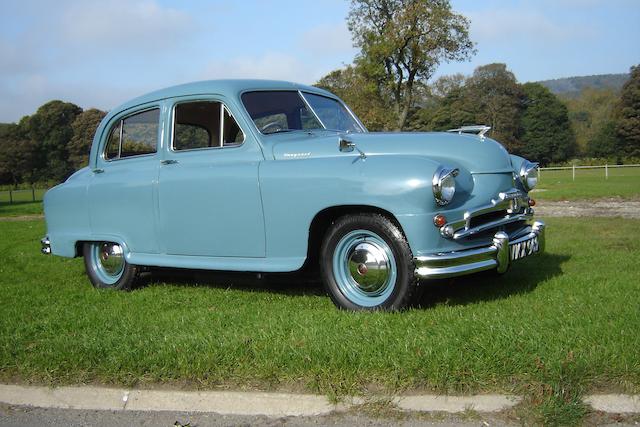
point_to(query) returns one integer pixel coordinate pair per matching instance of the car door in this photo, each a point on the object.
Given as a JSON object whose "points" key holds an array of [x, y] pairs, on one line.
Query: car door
{"points": [[208, 191], [121, 192]]}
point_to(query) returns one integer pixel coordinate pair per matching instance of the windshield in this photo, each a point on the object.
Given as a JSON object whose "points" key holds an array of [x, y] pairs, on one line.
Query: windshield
{"points": [[285, 111]]}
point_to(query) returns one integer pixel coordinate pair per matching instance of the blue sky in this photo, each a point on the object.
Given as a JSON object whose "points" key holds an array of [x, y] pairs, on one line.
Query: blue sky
{"points": [[101, 53]]}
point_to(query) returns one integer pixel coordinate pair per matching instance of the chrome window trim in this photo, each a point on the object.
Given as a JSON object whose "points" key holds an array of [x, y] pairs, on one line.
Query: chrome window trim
{"points": [[223, 106], [353, 116], [301, 94], [306, 102], [120, 121]]}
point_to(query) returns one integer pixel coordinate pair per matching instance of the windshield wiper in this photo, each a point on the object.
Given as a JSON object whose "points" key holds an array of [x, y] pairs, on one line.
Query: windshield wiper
{"points": [[282, 131]]}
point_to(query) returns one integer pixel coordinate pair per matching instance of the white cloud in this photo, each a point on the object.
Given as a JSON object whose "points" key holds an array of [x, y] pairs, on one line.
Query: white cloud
{"points": [[119, 23], [327, 39], [272, 65], [503, 25]]}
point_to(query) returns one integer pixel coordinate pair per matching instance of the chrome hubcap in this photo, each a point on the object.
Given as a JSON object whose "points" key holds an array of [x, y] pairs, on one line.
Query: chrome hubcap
{"points": [[364, 268], [111, 258], [369, 266]]}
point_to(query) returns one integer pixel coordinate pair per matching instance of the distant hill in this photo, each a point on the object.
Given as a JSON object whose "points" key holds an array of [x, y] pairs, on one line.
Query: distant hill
{"points": [[571, 87]]}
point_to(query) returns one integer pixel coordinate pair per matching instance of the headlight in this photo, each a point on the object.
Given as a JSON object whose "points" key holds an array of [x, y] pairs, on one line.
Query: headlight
{"points": [[529, 175], [444, 185]]}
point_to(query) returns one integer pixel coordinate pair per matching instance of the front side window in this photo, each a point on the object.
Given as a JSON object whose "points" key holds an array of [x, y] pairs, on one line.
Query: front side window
{"points": [[279, 111], [285, 111], [134, 135], [332, 113], [204, 124]]}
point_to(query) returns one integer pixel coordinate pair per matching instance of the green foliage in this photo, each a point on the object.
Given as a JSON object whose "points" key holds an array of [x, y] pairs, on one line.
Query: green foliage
{"points": [[17, 154], [402, 42], [605, 142], [46, 147], [362, 96], [628, 114], [589, 112], [50, 128], [546, 132], [497, 101], [83, 129]]}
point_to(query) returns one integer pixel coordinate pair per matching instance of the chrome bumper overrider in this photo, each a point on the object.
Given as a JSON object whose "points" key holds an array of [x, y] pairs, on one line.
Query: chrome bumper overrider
{"points": [[497, 255], [46, 246]]}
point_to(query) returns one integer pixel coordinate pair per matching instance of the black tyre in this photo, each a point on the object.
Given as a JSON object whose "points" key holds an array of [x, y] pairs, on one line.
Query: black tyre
{"points": [[366, 264], [106, 266]]}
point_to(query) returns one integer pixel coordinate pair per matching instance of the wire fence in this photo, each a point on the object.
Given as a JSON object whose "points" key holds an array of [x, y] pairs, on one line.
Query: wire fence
{"points": [[604, 171], [22, 196]]}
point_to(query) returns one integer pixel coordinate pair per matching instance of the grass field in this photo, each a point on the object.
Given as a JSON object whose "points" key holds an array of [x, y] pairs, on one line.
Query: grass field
{"points": [[555, 327], [21, 203], [589, 184]]}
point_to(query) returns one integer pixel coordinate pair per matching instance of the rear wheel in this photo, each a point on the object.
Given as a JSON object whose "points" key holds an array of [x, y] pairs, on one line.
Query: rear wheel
{"points": [[106, 266], [366, 264]]}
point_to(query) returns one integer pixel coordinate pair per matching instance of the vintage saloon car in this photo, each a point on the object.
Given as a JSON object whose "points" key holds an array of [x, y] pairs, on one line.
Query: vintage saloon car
{"points": [[268, 176]]}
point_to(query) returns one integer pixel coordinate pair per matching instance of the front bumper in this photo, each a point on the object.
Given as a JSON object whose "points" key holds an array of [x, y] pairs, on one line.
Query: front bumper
{"points": [[496, 256], [45, 245]]}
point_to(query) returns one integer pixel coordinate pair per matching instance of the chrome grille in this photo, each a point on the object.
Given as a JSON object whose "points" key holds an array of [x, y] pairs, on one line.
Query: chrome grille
{"points": [[508, 207]]}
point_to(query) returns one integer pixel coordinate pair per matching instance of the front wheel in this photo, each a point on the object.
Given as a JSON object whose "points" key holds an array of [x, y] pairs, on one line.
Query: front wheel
{"points": [[366, 264], [106, 266]]}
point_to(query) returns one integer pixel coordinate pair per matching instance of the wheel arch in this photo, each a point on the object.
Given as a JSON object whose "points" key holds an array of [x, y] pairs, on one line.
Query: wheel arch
{"points": [[321, 221]]}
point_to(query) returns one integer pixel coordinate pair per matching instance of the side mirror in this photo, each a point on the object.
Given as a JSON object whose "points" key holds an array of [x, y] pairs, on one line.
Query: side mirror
{"points": [[345, 145]]}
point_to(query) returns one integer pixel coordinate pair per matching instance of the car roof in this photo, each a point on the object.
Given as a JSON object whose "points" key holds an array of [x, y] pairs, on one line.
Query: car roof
{"points": [[228, 88]]}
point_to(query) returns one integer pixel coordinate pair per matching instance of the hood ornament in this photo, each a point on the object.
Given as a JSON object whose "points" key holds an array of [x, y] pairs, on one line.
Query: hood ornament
{"points": [[479, 130]]}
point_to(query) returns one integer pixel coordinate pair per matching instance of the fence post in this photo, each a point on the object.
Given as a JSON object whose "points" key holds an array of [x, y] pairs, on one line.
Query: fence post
{"points": [[606, 171], [10, 197], [33, 194], [574, 172]]}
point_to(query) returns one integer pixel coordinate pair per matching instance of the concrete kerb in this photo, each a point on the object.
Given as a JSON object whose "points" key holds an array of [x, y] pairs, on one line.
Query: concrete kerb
{"points": [[266, 404]]}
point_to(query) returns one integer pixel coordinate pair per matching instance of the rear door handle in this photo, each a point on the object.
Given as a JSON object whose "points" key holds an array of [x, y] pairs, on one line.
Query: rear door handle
{"points": [[168, 162]]}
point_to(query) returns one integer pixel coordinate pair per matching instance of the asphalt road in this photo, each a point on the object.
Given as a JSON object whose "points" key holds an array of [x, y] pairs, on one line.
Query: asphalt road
{"points": [[17, 416]]}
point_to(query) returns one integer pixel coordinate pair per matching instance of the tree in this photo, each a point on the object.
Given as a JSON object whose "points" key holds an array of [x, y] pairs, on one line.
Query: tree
{"points": [[546, 131], [605, 142], [628, 114], [17, 154], [590, 112], [84, 128], [402, 42], [497, 99], [360, 94], [50, 128]]}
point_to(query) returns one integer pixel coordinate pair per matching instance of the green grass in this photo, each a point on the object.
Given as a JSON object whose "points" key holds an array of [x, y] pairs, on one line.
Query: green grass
{"points": [[21, 203], [589, 184], [555, 327], [20, 208]]}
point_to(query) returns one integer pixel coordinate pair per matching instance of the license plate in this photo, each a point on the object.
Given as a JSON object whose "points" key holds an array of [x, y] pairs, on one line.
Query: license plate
{"points": [[523, 249]]}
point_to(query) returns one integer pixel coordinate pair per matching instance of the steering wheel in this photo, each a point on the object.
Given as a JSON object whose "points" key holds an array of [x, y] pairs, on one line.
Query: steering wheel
{"points": [[271, 127]]}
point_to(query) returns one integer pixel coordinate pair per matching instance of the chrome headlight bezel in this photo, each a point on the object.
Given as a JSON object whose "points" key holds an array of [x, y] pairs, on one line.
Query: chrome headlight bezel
{"points": [[444, 184], [529, 175]]}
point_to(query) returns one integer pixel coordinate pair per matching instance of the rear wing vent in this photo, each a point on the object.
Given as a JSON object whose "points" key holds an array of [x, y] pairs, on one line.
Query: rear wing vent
{"points": [[479, 130]]}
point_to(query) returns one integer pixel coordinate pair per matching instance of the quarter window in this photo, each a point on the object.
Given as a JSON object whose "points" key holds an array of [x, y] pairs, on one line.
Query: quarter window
{"points": [[135, 135], [204, 124]]}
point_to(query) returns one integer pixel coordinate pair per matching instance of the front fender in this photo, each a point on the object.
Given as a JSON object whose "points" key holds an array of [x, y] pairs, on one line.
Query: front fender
{"points": [[294, 191]]}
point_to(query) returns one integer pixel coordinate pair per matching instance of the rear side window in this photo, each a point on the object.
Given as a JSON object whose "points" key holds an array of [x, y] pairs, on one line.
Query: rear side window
{"points": [[204, 124], [134, 135]]}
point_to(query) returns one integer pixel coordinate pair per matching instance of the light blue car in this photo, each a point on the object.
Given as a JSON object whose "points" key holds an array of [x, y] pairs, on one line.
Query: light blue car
{"points": [[268, 176]]}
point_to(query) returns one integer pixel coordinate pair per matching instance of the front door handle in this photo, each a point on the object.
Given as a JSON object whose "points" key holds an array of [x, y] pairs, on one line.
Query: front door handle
{"points": [[98, 170], [168, 162]]}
